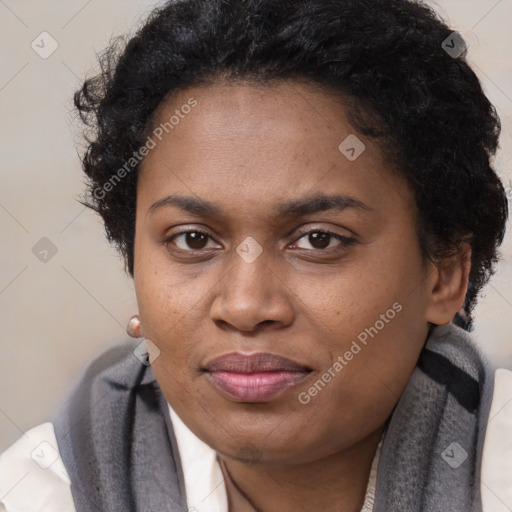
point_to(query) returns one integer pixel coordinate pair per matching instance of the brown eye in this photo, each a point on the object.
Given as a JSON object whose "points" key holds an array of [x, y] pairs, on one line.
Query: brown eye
{"points": [[196, 240], [190, 240], [321, 240]]}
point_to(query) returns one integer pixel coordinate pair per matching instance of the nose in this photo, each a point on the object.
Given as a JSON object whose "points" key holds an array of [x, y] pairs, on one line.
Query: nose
{"points": [[251, 295]]}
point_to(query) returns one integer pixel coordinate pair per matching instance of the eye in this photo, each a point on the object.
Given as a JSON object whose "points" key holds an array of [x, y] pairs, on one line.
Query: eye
{"points": [[323, 240], [193, 240]]}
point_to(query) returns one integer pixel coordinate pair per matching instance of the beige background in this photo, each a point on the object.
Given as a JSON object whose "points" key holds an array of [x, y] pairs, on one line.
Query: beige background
{"points": [[57, 315]]}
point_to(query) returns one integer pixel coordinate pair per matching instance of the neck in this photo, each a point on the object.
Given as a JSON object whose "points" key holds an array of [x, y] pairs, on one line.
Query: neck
{"points": [[334, 483]]}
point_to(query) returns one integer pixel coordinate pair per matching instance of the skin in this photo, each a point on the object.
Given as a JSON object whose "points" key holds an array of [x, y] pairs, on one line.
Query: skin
{"points": [[248, 148]]}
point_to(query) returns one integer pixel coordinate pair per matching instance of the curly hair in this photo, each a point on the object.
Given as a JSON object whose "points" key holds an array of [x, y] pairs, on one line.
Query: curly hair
{"points": [[385, 58]]}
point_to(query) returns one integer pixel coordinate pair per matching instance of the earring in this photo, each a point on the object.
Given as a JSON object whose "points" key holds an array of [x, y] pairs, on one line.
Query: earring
{"points": [[134, 327]]}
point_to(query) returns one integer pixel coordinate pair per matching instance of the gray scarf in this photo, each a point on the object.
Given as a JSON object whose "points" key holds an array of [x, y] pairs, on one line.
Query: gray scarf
{"points": [[117, 442]]}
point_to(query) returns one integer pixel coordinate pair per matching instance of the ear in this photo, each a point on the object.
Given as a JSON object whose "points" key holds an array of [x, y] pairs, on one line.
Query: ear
{"points": [[449, 284]]}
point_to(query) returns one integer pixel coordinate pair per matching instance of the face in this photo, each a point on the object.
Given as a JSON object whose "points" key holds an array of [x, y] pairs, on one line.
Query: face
{"points": [[280, 277]]}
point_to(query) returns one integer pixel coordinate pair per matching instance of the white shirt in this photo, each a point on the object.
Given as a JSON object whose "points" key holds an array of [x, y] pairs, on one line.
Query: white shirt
{"points": [[33, 477]]}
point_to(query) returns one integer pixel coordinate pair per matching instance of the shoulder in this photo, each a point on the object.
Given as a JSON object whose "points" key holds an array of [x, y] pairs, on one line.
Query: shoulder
{"points": [[496, 471], [33, 476], [496, 461]]}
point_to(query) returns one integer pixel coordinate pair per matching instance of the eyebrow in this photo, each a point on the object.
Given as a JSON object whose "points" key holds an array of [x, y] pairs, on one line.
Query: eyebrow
{"points": [[293, 208]]}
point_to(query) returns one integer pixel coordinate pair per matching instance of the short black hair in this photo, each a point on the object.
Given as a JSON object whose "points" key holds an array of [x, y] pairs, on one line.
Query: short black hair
{"points": [[386, 58]]}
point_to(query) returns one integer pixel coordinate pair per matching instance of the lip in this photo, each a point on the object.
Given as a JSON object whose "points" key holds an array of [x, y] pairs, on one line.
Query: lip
{"points": [[256, 377]]}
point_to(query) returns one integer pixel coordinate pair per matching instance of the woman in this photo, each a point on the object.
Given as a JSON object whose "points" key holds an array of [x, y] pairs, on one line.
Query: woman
{"points": [[303, 195]]}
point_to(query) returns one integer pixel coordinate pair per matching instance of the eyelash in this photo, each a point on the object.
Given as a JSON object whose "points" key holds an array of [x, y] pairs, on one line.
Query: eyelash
{"points": [[344, 241]]}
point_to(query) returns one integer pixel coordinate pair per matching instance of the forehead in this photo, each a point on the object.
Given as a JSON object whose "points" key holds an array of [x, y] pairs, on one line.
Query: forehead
{"points": [[253, 143], [286, 106]]}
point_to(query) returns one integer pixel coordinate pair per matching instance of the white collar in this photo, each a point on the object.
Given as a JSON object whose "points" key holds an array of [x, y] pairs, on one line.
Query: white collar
{"points": [[204, 483]]}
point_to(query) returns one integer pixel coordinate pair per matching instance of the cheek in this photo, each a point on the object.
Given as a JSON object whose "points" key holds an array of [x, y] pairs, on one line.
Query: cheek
{"points": [[165, 291], [374, 321], [171, 312], [347, 301]]}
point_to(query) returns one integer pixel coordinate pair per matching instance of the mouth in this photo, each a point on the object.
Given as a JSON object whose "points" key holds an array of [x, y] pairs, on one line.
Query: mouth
{"points": [[253, 378]]}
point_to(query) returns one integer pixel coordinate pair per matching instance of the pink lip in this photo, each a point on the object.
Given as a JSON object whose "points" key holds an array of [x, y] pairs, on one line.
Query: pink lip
{"points": [[256, 377]]}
